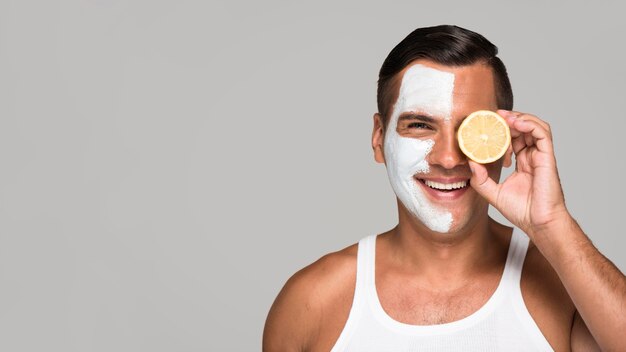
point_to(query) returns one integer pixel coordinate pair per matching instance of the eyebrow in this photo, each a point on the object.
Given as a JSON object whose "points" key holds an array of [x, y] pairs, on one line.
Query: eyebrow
{"points": [[412, 116]]}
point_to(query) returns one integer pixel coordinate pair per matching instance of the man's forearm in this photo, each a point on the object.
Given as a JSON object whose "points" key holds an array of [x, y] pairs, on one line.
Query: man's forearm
{"points": [[594, 283]]}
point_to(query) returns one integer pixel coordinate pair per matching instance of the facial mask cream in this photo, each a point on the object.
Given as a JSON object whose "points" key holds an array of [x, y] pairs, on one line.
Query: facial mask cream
{"points": [[427, 91]]}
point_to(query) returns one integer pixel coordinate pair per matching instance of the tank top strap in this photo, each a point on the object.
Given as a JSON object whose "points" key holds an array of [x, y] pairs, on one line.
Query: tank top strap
{"points": [[364, 272], [519, 246], [365, 261], [515, 260]]}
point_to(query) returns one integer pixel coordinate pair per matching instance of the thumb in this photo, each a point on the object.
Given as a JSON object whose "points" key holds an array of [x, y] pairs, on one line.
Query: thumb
{"points": [[482, 183]]}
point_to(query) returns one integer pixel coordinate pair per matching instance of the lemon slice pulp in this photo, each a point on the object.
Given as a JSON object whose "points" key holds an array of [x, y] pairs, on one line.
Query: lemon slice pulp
{"points": [[484, 136]]}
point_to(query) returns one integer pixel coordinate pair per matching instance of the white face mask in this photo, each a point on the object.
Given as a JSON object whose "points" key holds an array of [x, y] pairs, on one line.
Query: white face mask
{"points": [[429, 91]]}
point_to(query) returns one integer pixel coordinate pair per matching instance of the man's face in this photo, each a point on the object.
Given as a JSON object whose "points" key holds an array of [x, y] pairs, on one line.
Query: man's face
{"points": [[427, 170]]}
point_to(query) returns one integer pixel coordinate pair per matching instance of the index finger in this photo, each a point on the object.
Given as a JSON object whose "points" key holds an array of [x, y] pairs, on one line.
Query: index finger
{"points": [[511, 116]]}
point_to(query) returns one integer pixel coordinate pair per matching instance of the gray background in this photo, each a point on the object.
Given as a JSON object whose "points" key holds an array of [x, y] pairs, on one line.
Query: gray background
{"points": [[166, 166]]}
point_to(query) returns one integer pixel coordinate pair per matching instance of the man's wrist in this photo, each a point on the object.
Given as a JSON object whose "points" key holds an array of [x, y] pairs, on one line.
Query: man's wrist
{"points": [[562, 222], [561, 239]]}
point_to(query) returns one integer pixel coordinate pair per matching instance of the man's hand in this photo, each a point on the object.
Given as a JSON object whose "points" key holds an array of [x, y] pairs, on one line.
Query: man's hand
{"points": [[531, 197]]}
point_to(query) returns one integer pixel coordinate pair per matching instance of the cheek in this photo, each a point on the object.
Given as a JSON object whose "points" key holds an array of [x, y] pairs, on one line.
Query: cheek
{"points": [[411, 155]]}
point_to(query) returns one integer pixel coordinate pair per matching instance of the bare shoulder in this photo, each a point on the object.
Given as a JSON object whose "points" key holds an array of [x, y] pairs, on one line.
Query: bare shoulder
{"points": [[313, 305], [547, 300]]}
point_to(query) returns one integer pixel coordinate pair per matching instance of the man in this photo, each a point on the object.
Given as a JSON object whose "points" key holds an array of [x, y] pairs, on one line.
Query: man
{"points": [[448, 277]]}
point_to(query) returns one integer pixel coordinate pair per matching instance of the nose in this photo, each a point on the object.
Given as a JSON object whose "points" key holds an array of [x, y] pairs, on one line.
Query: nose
{"points": [[446, 152]]}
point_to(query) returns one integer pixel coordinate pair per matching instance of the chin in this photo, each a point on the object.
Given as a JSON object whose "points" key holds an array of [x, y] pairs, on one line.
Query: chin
{"points": [[461, 222]]}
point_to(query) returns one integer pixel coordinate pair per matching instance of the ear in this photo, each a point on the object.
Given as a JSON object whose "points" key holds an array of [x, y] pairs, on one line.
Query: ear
{"points": [[508, 157], [378, 138]]}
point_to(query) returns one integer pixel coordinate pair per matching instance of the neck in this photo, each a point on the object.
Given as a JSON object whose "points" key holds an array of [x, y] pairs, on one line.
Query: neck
{"points": [[446, 258]]}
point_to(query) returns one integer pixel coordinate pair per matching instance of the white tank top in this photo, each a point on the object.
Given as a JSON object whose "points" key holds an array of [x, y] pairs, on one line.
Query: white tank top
{"points": [[502, 324]]}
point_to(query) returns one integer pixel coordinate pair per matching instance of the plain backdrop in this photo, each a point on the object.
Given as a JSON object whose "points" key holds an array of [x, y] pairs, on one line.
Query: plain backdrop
{"points": [[167, 165]]}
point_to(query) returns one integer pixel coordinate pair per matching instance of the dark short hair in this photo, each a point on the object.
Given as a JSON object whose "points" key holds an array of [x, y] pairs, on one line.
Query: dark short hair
{"points": [[445, 45]]}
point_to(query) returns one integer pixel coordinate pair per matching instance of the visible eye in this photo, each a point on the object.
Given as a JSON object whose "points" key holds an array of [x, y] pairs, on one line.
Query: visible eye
{"points": [[418, 125]]}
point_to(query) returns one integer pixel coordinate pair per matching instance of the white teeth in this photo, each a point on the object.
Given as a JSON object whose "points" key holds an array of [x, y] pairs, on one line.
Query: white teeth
{"points": [[446, 186]]}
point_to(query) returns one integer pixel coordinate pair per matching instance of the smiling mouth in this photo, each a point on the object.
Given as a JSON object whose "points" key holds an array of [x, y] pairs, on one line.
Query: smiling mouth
{"points": [[445, 187]]}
